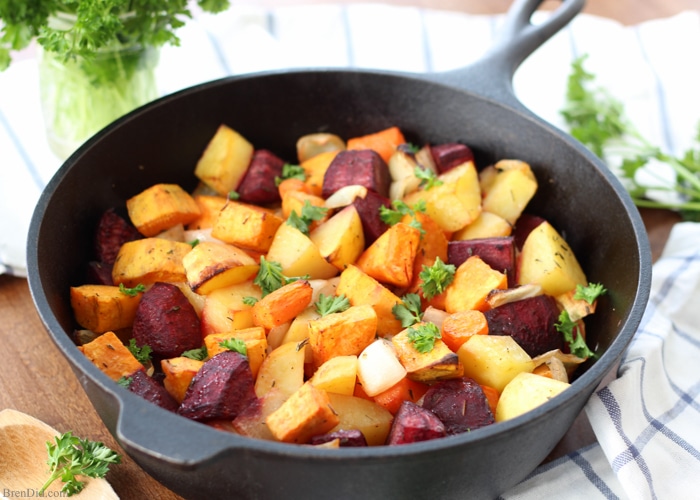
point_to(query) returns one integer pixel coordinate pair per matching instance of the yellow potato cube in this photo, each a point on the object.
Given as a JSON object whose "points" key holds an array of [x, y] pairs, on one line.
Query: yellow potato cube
{"points": [[494, 360], [525, 392]]}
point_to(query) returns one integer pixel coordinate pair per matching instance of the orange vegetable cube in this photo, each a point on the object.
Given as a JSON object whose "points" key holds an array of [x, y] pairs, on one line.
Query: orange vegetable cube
{"points": [[315, 169], [246, 226], [161, 207], [306, 413], [472, 283], [294, 201], [149, 260], [282, 305], [492, 396], [390, 258], [404, 390], [101, 308], [209, 208], [437, 364], [458, 327], [179, 373], [432, 244], [255, 342], [109, 354], [384, 142]]}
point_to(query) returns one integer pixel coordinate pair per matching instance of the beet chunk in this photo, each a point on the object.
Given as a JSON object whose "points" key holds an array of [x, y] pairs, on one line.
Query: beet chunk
{"points": [[357, 166], [99, 273], [222, 388], [347, 437], [166, 322], [112, 232], [152, 391], [460, 404], [523, 226], [368, 210], [413, 423], [258, 185], [450, 155], [497, 252], [530, 322]]}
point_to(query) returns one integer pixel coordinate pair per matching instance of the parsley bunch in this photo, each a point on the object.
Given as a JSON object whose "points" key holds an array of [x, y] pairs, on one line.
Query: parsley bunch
{"points": [[597, 119], [95, 24], [71, 457]]}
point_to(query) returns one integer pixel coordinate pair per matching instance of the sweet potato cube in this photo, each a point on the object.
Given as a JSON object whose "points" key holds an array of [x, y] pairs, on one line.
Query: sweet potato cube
{"points": [[209, 208], [432, 245], [246, 226], [437, 364], [149, 260], [282, 305], [472, 284], [161, 207], [294, 201], [255, 343], [224, 161], [111, 356], [361, 289], [390, 258], [384, 141], [315, 169], [211, 265], [179, 373], [306, 413], [345, 333], [458, 327], [102, 308]]}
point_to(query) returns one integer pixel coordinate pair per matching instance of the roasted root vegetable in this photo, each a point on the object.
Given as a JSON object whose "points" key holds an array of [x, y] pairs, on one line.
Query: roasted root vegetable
{"points": [[374, 293]]}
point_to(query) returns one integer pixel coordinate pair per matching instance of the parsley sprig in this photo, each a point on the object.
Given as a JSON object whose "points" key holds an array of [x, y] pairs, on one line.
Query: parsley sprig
{"points": [[597, 119], [71, 457], [436, 278], [408, 311], [423, 336], [572, 335], [309, 214], [329, 304], [290, 171], [589, 293], [270, 277], [132, 292], [141, 353], [235, 345], [428, 178]]}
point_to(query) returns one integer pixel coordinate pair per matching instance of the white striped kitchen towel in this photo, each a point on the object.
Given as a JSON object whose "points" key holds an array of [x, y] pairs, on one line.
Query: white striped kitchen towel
{"points": [[647, 420]]}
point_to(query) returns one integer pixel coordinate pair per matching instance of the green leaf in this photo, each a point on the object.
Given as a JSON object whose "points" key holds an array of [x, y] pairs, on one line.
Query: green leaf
{"points": [[290, 171], [428, 178], [409, 310], [196, 354], [132, 292], [423, 336], [400, 209], [309, 214], [269, 277], [572, 335], [589, 293], [141, 353], [329, 304], [236, 345], [436, 278]]}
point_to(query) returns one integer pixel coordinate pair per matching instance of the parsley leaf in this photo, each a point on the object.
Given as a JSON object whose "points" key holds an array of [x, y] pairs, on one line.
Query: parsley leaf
{"points": [[309, 214], [400, 209], [236, 345], [290, 171], [436, 278], [572, 335], [428, 178], [598, 120], [132, 292], [589, 293], [249, 300], [329, 304], [423, 336], [142, 353], [70, 457], [409, 311], [196, 354], [269, 277]]}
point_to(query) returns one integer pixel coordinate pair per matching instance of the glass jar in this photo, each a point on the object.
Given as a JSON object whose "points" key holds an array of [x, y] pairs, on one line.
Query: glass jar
{"points": [[81, 96]]}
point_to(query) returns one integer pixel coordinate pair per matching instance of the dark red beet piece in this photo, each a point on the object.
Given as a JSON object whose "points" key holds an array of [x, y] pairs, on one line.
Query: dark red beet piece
{"points": [[258, 185], [347, 437], [450, 155], [99, 273], [368, 210], [152, 391], [530, 322], [357, 166], [222, 388], [112, 232], [460, 404], [413, 423], [523, 226], [166, 322], [497, 252]]}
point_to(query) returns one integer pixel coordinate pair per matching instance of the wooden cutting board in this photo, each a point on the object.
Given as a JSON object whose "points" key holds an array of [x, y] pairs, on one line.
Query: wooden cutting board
{"points": [[23, 455]]}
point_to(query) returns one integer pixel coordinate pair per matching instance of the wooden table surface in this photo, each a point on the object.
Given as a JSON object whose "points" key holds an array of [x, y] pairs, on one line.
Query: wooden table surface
{"points": [[35, 378]]}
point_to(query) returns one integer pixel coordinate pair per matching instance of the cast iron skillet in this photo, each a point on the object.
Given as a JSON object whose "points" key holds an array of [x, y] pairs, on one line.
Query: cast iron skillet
{"points": [[162, 141]]}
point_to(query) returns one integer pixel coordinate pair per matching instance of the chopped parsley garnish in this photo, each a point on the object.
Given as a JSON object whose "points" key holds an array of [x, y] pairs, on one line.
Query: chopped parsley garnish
{"points": [[141, 353], [309, 214], [290, 171], [236, 345], [196, 354], [428, 178], [329, 304], [436, 278], [132, 292], [409, 311], [589, 293], [572, 335], [423, 336]]}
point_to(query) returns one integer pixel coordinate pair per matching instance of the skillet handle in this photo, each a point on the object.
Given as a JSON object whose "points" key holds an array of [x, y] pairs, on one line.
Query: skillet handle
{"points": [[492, 75]]}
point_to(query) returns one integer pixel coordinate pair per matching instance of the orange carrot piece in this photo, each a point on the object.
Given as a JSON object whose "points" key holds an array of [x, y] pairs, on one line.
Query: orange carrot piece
{"points": [[460, 326], [292, 184], [404, 390], [492, 396], [282, 305], [384, 142], [543, 370]]}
